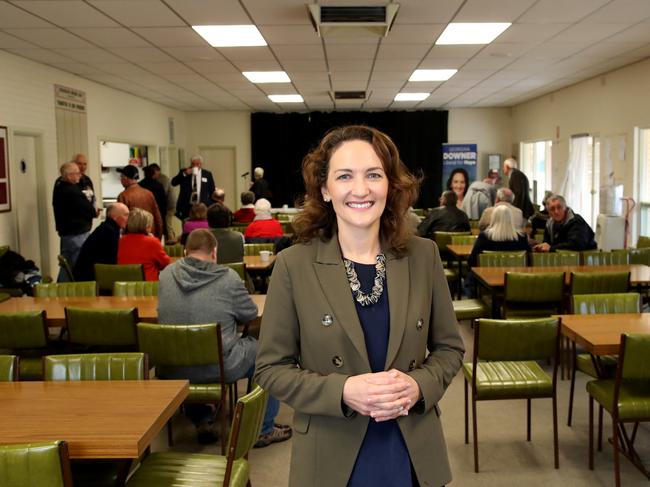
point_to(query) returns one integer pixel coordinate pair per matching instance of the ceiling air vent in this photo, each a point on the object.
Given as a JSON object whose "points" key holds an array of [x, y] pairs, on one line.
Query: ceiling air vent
{"points": [[362, 20], [349, 95]]}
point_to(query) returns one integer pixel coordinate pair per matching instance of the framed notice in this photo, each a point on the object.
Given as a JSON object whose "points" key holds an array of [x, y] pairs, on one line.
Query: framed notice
{"points": [[5, 195]]}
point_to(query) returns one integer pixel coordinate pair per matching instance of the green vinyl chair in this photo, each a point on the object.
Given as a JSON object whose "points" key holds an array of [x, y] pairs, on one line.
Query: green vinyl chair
{"points": [[174, 469], [463, 239], [25, 334], [643, 242], [45, 464], [66, 289], [554, 259], [502, 259], [533, 295], [175, 250], [504, 366], [636, 256], [589, 304], [189, 345], [8, 368], [96, 366], [626, 398], [596, 257], [599, 282], [67, 268], [239, 268], [107, 274], [443, 239], [102, 330], [135, 288], [254, 248]]}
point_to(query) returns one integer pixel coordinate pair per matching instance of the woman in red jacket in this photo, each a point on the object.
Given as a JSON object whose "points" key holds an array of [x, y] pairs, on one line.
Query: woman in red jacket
{"points": [[264, 225], [139, 246]]}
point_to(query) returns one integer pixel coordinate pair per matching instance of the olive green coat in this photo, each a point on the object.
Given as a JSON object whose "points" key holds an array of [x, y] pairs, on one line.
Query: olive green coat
{"points": [[304, 357]]}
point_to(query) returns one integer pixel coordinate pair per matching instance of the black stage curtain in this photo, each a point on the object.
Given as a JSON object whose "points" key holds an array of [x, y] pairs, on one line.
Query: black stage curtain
{"points": [[281, 141]]}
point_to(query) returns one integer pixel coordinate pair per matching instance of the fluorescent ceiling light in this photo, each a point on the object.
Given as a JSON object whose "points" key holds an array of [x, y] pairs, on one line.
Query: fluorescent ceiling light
{"points": [[411, 96], [267, 76], [432, 74], [472, 33], [230, 35], [286, 98]]}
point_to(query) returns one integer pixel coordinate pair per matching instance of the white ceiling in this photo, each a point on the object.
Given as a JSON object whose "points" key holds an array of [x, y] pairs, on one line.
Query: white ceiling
{"points": [[148, 48]]}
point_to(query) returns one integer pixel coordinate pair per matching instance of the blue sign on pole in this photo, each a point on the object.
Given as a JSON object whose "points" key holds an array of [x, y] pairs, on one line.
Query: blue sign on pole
{"points": [[459, 158]]}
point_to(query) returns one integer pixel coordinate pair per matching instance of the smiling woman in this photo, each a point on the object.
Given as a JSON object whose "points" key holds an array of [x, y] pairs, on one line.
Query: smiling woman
{"points": [[359, 334]]}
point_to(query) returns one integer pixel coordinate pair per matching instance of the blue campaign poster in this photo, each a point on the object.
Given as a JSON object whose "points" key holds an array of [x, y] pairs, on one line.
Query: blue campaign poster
{"points": [[463, 156]]}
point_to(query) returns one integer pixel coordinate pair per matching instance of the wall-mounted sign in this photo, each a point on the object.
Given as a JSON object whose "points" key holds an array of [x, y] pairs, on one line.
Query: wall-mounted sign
{"points": [[69, 98]]}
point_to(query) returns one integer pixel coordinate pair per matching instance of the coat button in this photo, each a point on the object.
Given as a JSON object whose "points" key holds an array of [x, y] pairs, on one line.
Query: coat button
{"points": [[327, 320], [419, 324], [337, 361], [411, 365]]}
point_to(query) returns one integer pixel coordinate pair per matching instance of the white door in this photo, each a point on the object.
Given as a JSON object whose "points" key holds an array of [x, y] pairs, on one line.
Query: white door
{"points": [[24, 185], [221, 162]]}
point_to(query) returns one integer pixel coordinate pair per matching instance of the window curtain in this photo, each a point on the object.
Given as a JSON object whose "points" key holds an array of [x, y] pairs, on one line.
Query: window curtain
{"points": [[575, 188]]}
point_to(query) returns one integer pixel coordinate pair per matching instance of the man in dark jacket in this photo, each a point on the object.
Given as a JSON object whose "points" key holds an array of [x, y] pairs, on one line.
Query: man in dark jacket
{"points": [[446, 218], [518, 184], [565, 230], [150, 182], [73, 213], [101, 246], [196, 186]]}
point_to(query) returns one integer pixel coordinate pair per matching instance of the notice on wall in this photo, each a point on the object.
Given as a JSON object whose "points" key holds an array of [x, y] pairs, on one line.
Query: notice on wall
{"points": [[71, 124], [5, 203], [69, 98], [459, 158]]}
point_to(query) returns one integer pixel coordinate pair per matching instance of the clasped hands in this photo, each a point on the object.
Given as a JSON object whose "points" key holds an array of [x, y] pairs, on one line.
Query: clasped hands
{"points": [[383, 395]]}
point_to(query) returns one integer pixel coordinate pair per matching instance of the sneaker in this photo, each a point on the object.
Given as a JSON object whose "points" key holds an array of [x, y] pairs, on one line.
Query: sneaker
{"points": [[206, 433], [276, 435]]}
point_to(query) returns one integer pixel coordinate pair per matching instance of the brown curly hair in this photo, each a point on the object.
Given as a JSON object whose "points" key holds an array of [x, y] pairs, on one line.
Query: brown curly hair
{"points": [[318, 218]]}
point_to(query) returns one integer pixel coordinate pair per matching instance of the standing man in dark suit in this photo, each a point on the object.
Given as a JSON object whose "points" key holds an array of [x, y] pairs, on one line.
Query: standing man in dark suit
{"points": [[197, 186], [519, 185]]}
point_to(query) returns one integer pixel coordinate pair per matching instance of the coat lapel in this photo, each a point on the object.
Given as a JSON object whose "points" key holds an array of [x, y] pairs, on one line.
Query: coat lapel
{"points": [[334, 284], [397, 272]]}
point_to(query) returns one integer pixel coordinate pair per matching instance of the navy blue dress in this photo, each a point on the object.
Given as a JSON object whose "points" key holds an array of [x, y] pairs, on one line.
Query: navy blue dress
{"points": [[383, 458]]}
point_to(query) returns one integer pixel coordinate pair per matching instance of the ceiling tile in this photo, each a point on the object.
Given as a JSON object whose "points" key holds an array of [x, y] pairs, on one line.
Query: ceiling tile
{"points": [[247, 53], [67, 13], [270, 65], [350, 65], [413, 34], [492, 10], [42, 55], [9, 41], [93, 56], [141, 13], [79, 69], [172, 37], [166, 68], [289, 34], [139, 54], [216, 67], [427, 11], [14, 17], [50, 38], [111, 37], [584, 32], [550, 11], [210, 12], [401, 51], [264, 12], [636, 33], [621, 11], [307, 66], [453, 52], [530, 32], [194, 53], [407, 65], [306, 52], [343, 52]]}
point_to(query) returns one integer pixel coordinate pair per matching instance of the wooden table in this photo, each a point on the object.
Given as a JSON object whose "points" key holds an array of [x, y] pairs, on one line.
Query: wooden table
{"points": [[493, 278], [98, 419], [55, 307]]}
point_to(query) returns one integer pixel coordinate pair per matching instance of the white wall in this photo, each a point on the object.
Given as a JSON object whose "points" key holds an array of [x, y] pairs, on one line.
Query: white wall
{"points": [[27, 105]]}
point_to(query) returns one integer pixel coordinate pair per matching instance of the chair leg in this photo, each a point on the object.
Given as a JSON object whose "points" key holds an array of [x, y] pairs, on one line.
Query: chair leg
{"points": [[170, 432], [475, 434], [600, 428], [571, 389], [528, 419], [617, 466], [591, 433], [466, 411], [223, 432], [556, 447]]}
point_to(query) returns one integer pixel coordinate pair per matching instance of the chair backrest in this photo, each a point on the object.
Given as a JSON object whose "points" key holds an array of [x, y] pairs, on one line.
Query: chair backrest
{"points": [[107, 274], [553, 259], [175, 250], [238, 227], [636, 256], [589, 304], [282, 217], [634, 363], [105, 327], [539, 236], [45, 464], [502, 259], [23, 330], [8, 368], [66, 289], [512, 340], [463, 239], [643, 242], [542, 287], [254, 248], [239, 268], [596, 257], [287, 227], [96, 366], [180, 345], [599, 282], [443, 239], [65, 265], [135, 288]]}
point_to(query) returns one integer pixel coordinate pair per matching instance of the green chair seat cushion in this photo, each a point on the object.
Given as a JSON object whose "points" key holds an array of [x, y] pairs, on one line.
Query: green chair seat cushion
{"points": [[523, 311], [451, 274], [202, 393], [633, 400], [470, 309], [501, 380], [177, 469], [585, 364]]}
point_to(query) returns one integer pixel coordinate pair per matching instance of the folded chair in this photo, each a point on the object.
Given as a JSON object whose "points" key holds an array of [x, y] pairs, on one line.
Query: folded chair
{"points": [[504, 366]]}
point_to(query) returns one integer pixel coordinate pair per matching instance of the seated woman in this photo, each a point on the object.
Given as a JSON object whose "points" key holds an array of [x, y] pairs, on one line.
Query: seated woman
{"points": [[264, 226], [139, 246], [246, 213], [500, 236], [198, 218]]}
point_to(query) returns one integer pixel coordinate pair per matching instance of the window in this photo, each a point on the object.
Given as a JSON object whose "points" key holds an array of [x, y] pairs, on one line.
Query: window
{"points": [[536, 164], [644, 182], [582, 177]]}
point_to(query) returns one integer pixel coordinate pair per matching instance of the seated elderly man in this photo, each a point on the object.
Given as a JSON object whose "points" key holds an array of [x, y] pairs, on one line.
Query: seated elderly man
{"points": [[565, 230], [446, 218], [101, 246], [504, 197], [197, 290]]}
